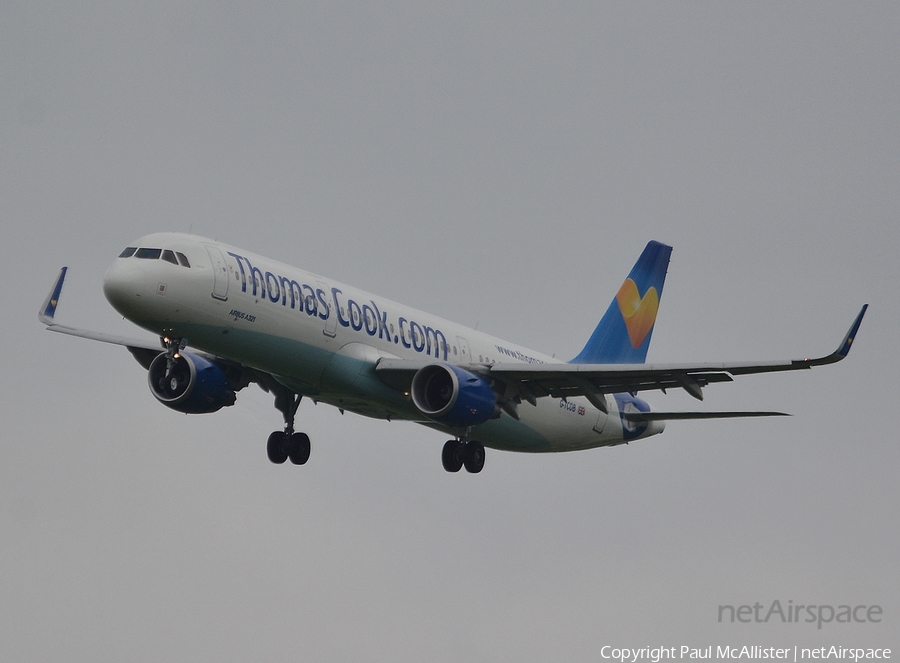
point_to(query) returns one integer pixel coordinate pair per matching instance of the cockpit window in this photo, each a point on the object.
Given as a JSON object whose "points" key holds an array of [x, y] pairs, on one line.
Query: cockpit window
{"points": [[174, 257], [148, 254]]}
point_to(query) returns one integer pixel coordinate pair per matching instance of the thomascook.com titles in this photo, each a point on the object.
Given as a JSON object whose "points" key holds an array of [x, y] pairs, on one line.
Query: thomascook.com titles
{"points": [[796, 654]]}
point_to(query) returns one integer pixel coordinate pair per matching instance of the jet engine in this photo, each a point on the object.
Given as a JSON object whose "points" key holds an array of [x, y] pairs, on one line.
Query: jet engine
{"points": [[194, 385], [453, 396]]}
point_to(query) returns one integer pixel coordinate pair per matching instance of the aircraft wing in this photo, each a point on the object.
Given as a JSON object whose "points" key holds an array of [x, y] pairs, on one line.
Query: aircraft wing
{"points": [[531, 381], [47, 314], [144, 344], [144, 350]]}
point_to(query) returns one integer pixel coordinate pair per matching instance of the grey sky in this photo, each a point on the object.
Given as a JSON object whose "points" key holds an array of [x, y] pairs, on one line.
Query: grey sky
{"points": [[498, 165]]}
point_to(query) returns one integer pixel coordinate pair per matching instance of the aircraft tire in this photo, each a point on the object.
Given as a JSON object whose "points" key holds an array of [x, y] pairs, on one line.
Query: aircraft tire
{"points": [[452, 456], [276, 448], [473, 457], [299, 448]]}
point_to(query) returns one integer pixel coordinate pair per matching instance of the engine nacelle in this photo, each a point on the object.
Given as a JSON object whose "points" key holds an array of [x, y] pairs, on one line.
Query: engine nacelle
{"points": [[194, 385], [453, 396]]}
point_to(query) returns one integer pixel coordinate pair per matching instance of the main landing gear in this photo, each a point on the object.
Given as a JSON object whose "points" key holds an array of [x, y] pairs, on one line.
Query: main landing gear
{"points": [[458, 453], [288, 444]]}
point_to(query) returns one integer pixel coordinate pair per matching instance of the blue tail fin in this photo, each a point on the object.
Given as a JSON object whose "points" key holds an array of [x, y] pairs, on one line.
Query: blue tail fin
{"points": [[623, 334]]}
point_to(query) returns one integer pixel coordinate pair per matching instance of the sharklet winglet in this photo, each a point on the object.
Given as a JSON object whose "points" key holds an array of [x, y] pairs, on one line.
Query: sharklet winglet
{"points": [[48, 309]]}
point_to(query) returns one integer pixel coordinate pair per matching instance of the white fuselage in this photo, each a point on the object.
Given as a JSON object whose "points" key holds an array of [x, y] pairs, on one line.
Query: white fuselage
{"points": [[322, 338]]}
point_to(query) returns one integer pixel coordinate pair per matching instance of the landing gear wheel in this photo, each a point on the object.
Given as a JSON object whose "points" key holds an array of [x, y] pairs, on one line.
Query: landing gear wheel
{"points": [[288, 444], [298, 448], [276, 447], [473, 457], [452, 456]]}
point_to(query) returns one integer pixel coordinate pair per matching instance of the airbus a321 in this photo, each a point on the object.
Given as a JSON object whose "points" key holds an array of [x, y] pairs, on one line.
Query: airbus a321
{"points": [[227, 318]]}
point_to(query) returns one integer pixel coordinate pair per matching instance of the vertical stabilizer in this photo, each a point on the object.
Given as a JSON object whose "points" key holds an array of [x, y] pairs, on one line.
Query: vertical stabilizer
{"points": [[623, 334]]}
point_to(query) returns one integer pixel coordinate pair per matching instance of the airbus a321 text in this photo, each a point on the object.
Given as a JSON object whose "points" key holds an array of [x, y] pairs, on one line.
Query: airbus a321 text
{"points": [[226, 318]]}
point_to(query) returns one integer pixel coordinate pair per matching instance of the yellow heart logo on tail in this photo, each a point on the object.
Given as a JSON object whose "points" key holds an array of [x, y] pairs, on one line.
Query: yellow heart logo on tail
{"points": [[639, 313]]}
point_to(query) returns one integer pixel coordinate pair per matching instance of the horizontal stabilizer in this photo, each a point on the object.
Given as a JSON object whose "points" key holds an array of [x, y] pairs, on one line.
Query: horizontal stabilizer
{"points": [[669, 416]]}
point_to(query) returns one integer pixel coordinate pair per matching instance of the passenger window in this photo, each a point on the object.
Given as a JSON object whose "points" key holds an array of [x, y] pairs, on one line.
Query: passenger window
{"points": [[182, 259], [169, 256], [148, 254], [127, 253]]}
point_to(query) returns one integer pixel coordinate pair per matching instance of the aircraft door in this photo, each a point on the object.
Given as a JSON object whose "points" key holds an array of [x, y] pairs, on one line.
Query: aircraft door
{"points": [[465, 356], [220, 272], [331, 321]]}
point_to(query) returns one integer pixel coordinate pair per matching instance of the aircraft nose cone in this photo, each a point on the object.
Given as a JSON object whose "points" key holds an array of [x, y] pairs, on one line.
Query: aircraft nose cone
{"points": [[119, 288]]}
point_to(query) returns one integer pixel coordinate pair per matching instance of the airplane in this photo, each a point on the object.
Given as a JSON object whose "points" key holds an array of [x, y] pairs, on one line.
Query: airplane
{"points": [[227, 318]]}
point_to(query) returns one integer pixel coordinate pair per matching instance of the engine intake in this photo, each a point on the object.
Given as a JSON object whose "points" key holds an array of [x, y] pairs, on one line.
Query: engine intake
{"points": [[195, 385], [453, 396]]}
